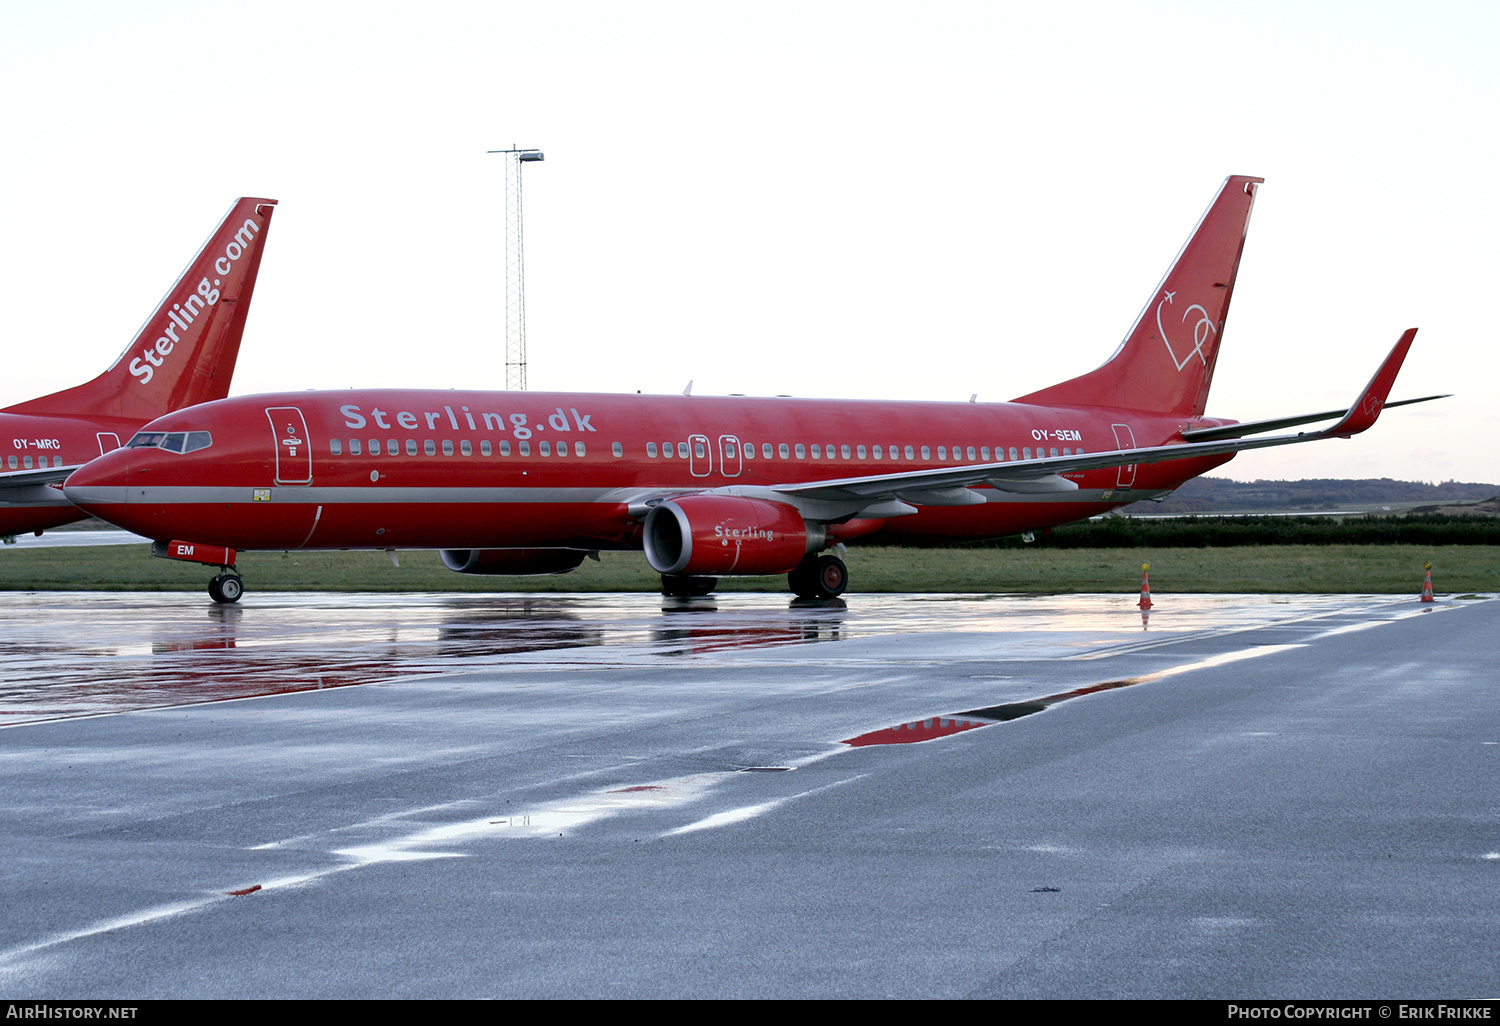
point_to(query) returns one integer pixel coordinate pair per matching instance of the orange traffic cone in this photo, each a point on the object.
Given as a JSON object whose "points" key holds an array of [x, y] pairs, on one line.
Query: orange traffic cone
{"points": [[1145, 586], [1427, 585]]}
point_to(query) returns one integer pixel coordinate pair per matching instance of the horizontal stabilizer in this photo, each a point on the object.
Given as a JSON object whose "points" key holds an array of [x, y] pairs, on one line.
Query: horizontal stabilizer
{"points": [[1255, 427]]}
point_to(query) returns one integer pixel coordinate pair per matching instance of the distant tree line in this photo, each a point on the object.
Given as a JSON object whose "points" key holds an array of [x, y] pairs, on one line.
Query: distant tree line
{"points": [[1217, 532], [1208, 494]]}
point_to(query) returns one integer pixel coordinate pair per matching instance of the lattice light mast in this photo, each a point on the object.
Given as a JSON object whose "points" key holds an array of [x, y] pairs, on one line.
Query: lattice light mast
{"points": [[515, 269]]}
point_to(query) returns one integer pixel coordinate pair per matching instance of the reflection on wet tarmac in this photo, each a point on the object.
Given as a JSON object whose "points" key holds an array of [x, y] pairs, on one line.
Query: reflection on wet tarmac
{"points": [[69, 654], [945, 726], [918, 730]]}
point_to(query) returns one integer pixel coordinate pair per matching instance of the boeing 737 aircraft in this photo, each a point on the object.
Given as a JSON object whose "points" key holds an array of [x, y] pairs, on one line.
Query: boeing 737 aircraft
{"points": [[184, 354], [532, 483]]}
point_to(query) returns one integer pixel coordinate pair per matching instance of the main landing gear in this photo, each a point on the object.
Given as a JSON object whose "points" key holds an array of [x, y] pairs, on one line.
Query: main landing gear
{"points": [[226, 588], [687, 587], [816, 577], [819, 577]]}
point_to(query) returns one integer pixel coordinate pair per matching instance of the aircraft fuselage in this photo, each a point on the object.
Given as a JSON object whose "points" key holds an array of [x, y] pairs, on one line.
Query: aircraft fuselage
{"points": [[39, 443], [453, 469]]}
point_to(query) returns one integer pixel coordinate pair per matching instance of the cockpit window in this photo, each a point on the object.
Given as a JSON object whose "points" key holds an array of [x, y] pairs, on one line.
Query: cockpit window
{"points": [[172, 441]]}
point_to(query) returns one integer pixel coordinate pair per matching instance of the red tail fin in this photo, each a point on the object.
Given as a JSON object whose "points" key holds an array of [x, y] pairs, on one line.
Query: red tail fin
{"points": [[1166, 362], [186, 351]]}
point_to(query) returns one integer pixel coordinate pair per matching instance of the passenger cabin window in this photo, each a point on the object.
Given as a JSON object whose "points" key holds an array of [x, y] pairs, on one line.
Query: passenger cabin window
{"points": [[909, 453], [1013, 453], [818, 452], [765, 450], [525, 448], [877, 453], [801, 453], [783, 451], [411, 447], [354, 449], [26, 462], [651, 449], [14, 463], [466, 447], [393, 447], [926, 453], [545, 447], [942, 452], [682, 450], [484, 447], [617, 449], [698, 450], [336, 447], [844, 451], [860, 451]]}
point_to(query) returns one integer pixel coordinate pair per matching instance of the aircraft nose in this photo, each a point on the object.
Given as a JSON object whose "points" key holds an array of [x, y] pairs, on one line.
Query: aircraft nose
{"points": [[99, 485]]}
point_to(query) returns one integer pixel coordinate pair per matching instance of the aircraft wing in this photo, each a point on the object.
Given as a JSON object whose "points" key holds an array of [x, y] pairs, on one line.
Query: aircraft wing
{"points": [[949, 486], [24, 486]]}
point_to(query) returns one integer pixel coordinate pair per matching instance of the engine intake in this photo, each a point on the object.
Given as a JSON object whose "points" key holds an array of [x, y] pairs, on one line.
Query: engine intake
{"points": [[726, 535]]}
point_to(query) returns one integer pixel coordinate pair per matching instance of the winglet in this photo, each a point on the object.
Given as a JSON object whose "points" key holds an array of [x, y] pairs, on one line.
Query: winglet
{"points": [[1371, 401]]}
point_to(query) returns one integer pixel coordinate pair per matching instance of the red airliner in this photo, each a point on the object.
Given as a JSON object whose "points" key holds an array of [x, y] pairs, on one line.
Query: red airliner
{"points": [[184, 354], [532, 483]]}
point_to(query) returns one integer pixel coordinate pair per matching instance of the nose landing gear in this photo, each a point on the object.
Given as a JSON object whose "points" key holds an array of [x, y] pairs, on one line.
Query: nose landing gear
{"points": [[226, 588]]}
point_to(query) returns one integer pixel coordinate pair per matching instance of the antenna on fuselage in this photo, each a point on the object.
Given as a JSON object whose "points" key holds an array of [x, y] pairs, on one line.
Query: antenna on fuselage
{"points": [[515, 272]]}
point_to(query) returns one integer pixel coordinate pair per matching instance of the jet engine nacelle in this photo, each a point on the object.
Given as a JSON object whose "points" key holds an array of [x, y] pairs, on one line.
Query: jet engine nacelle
{"points": [[512, 562], [726, 535]]}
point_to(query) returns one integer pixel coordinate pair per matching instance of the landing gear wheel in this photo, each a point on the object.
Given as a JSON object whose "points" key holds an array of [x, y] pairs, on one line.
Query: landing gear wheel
{"points": [[687, 587], [819, 577], [226, 588]]}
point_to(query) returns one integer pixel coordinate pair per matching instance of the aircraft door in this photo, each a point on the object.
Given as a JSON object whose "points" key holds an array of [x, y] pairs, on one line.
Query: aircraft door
{"points": [[702, 458], [293, 449], [108, 441], [729, 456], [1125, 439]]}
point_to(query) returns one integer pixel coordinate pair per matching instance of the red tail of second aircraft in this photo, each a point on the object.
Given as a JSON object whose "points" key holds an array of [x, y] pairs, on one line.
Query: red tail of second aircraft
{"points": [[1166, 362], [186, 351]]}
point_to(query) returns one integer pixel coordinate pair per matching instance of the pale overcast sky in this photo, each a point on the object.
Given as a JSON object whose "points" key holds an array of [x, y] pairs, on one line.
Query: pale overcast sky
{"points": [[872, 200]]}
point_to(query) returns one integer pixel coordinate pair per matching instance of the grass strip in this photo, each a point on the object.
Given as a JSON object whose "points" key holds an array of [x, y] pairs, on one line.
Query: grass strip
{"points": [[1318, 569]]}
